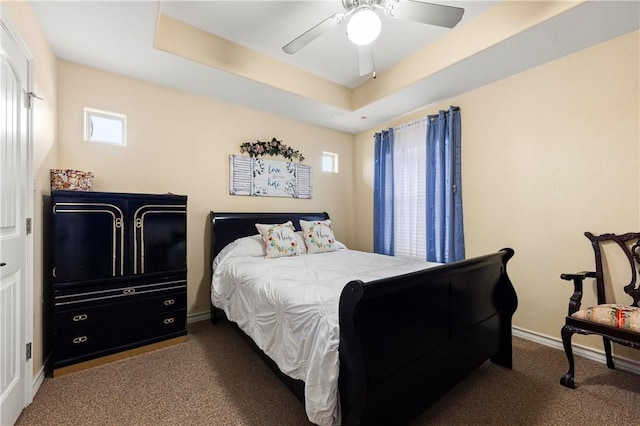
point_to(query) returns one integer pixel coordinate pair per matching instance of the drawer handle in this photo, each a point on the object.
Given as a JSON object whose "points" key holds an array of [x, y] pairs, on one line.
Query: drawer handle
{"points": [[169, 302], [169, 321], [80, 339], [128, 291], [80, 317]]}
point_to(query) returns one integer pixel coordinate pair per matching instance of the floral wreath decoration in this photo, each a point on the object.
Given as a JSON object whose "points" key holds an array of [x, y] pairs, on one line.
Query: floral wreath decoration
{"points": [[274, 243], [318, 241], [273, 147]]}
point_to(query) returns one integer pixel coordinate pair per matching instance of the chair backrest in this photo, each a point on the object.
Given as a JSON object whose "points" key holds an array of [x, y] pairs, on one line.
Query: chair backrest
{"points": [[629, 243]]}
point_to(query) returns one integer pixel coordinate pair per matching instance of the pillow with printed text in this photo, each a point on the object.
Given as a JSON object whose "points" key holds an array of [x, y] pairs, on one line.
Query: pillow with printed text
{"points": [[279, 239], [318, 236]]}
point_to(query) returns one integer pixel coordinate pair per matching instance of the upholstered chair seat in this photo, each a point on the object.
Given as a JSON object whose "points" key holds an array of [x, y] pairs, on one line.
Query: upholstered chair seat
{"points": [[613, 315]]}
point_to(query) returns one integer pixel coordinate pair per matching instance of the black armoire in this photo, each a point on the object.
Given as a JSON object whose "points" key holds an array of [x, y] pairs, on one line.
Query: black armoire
{"points": [[116, 272]]}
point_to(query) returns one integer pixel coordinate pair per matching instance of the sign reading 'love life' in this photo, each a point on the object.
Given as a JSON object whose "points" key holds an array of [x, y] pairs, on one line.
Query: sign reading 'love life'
{"points": [[268, 178]]}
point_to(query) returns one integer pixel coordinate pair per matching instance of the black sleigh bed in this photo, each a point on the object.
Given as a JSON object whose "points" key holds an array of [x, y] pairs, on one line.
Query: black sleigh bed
{"points": [[404, 341]]}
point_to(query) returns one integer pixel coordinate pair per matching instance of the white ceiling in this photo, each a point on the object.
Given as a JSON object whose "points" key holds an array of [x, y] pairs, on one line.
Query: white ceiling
{"points": [[244, 23], [118, 37]]}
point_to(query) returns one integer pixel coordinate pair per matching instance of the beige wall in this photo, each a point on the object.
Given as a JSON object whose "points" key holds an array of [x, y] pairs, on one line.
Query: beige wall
{"points": [[21, 17], [546, 155], [179, 142]]}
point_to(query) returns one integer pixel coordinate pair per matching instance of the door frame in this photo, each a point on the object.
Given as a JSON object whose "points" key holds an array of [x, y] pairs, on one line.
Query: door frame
{"points": [[27, 198]]}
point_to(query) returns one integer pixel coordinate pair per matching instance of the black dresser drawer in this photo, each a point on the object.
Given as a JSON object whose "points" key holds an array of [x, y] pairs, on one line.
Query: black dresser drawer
{"points": [[87, 314], [66, 298], [93, 342]]}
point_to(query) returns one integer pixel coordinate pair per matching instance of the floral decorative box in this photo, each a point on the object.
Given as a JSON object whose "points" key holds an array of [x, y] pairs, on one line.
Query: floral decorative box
{"points": [[71, 180]]}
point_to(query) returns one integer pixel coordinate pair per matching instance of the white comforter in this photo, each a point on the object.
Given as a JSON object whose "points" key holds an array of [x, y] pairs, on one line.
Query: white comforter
{"points": [[289, 307]]}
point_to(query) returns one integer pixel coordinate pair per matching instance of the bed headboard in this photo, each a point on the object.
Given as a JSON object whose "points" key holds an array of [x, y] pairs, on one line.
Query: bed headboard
{"points": [[227, 227]]}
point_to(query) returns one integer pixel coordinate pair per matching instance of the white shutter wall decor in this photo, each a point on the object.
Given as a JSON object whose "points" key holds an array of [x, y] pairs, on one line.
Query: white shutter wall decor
{"points": [[268, 178]]}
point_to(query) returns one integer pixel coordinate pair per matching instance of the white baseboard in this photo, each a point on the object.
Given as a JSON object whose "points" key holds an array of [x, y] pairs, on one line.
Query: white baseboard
{"points": [[37, 382], [621, 363], [204, 316]]}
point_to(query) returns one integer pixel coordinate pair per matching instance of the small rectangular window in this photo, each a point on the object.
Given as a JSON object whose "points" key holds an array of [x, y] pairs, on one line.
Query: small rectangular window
{"points": [[329, 162], [104, 126]]}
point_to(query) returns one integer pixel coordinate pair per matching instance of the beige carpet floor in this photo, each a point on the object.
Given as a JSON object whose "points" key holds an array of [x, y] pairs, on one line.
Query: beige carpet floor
{"points": [[216, 379]]}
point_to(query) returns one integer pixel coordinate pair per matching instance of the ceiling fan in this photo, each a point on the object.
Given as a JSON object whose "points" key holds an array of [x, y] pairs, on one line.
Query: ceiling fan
{"points": [[364, 24]]}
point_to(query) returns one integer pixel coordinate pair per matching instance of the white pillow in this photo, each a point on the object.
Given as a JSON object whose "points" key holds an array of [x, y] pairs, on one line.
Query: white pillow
{"points": [[318, 236], [242, 247], [279, 239], [249, 246]]}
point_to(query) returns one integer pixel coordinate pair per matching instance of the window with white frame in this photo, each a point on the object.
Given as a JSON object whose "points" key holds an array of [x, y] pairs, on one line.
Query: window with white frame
{"points": [[329, 162], [104, 126]]}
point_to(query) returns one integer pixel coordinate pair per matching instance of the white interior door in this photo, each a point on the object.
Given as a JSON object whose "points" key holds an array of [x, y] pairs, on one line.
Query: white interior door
{"points": [[14, 178]]}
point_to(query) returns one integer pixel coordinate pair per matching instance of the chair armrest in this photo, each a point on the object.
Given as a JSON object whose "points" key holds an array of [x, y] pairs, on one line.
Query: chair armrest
{"points": [[576, 297], [581, 275]]}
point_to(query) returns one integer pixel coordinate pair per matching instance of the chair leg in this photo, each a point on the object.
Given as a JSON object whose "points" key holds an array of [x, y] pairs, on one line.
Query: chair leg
{"points": [[607, 351], [567, 379]]}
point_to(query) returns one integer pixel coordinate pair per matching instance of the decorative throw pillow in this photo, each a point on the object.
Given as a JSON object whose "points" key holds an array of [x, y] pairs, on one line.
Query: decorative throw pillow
{"points": [[318, 236], [279, 239]]}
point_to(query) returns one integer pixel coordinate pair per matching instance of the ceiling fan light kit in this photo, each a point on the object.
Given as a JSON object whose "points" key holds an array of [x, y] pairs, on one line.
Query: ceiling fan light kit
{"points": [[364, 26]]}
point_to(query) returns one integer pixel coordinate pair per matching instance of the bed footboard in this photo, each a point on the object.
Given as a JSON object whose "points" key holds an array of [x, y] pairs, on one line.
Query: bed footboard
{"points": [[406, 340]]}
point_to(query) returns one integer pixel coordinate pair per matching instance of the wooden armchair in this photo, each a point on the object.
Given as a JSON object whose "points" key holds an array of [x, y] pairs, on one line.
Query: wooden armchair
{"points": [[619, 323]]}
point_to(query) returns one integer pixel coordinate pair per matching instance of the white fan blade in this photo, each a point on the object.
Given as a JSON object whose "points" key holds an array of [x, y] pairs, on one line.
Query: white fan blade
{"points": [[305, 38], [366, 59], [427, 13]]}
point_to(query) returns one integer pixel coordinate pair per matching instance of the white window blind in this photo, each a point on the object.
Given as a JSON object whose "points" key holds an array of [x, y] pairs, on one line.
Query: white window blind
{"points": [[409, 186]]}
